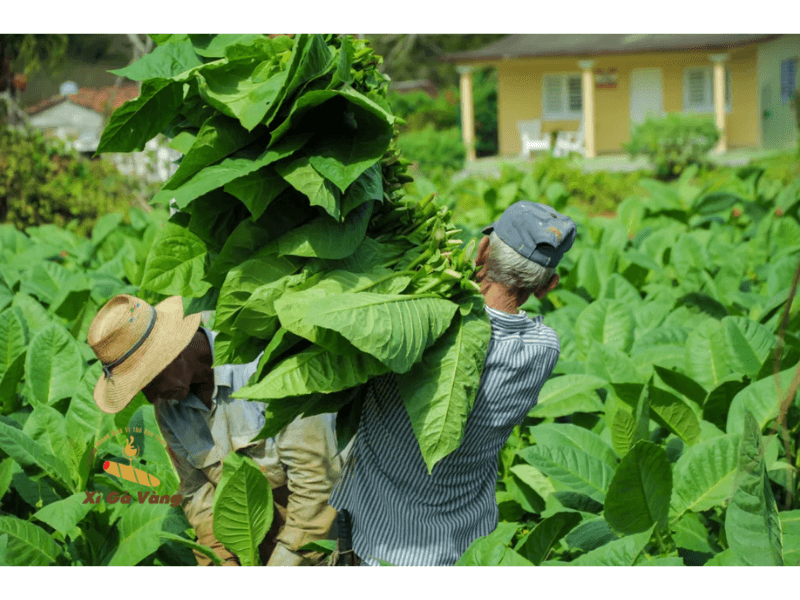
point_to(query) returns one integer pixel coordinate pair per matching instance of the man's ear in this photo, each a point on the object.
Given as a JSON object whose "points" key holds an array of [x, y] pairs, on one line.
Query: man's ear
{"points": [[483, 251], [545, 289]]}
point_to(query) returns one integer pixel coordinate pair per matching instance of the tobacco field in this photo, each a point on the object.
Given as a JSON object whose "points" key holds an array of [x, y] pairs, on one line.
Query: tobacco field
{"points": [[668, 433]]}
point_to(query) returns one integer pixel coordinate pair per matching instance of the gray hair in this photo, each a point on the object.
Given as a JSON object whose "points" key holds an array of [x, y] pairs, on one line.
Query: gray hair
{"points": [[508, 267]]}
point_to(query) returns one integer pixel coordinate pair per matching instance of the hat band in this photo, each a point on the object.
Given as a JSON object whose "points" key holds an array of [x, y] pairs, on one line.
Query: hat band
{"points": [[108, 366]]}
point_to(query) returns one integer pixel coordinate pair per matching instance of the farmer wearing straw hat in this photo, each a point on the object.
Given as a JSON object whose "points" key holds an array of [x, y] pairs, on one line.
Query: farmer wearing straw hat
{"points": [[169, 358]]}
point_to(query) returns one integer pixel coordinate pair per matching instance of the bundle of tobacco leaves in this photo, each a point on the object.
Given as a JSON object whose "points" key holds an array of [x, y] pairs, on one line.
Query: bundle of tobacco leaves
{"points": [[294, 229]]}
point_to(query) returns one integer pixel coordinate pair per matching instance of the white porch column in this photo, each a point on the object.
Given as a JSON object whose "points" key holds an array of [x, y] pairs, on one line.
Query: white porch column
{"points": [[588, 106], [719, 98], [467, 111]]}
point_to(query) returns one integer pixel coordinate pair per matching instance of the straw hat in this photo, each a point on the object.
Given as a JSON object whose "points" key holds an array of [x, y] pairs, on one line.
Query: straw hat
{"points": [[135, 342]]}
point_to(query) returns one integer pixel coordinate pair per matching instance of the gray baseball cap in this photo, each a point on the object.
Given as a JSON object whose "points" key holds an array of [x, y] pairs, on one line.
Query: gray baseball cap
{"points": [[536, 231]]}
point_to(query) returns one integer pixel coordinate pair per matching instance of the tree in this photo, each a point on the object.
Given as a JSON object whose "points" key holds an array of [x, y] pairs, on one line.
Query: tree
{"points": [[25, 54], [93, 48], [416, 56], [140, 45], [33, 52]]}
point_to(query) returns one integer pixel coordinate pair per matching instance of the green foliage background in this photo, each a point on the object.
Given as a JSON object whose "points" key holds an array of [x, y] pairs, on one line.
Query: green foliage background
{"points": [[437, 152], [656, 440], [42, 182], [33, 52], [431, 134], [52, 435], [417, 56], [664, 354]]}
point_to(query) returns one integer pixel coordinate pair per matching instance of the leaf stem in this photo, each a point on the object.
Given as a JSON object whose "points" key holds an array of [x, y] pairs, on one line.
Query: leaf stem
{"points": [[662, 547], [427, 287], [420, 259], [424, 226]]}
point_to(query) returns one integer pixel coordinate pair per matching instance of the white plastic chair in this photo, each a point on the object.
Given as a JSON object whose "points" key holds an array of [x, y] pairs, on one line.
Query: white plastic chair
{"points": [[530, 133], [570, 141]]}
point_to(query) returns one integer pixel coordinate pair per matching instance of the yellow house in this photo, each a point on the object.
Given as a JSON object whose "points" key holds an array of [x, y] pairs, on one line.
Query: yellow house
{"points": [[608, 83]]}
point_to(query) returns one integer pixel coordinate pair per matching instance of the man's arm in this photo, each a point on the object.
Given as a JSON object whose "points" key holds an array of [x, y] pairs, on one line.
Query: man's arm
{"points": [[197, 490], [307, 450]]}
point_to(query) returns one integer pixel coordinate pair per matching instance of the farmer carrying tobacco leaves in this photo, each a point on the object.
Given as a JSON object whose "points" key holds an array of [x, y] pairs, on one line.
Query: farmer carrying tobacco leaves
{"points": [[169, 358], [400, 513]]}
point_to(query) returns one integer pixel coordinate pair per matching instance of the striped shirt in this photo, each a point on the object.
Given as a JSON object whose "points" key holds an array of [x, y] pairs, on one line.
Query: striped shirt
{"points": [[401, 514]]}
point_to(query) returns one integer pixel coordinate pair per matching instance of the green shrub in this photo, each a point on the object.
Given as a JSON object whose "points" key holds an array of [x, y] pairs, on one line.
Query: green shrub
{"points": [[784, 167], [434, 150], [419, 110], [674, 142], [597, 191], [42, 182], [557, 182], [485, 98], [406, 104], [440, 117]]}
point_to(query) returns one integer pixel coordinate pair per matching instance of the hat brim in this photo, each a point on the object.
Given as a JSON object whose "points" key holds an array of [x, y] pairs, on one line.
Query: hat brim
{"points": [[171, 333], [488, 230]]}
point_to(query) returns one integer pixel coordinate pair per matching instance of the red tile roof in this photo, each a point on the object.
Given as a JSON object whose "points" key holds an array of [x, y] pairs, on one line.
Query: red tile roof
{"points": [[45, 104], [98, 100]]}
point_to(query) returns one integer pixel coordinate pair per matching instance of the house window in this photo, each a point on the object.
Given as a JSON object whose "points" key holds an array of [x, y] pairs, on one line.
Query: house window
{"points": [[698, 89], [788, 79], [562, 97]]}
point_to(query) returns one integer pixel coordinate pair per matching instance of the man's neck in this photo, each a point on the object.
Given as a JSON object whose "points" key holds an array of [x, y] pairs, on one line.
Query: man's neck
{"points": [[499, 297]]}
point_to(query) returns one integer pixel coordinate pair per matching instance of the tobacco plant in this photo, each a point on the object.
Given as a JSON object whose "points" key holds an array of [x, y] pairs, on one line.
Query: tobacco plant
{"points": [[57, 504], [669, 432]]}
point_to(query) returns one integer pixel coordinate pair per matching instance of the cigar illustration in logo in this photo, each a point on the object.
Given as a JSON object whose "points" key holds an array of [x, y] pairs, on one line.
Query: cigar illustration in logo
{"points": [[129, 472]]}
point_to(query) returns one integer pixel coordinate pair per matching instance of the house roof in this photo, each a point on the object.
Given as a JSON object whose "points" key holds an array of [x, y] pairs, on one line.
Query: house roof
{"points": [[425, 85], [596, 44], [97, 100]]}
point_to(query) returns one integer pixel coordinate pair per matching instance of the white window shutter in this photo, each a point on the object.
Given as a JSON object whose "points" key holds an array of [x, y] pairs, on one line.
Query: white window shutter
{"points": [[696, 84], [575, 94], [788, 79], [553, 103]]}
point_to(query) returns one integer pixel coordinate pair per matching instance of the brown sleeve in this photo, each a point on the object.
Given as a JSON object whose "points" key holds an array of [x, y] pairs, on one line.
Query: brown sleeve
{"points": [[197, 491], [307, 450]]}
